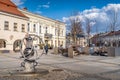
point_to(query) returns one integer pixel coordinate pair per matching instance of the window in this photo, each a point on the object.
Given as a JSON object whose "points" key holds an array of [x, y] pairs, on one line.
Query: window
{"points": [[51, 42], [62, 32], [28, 27], [40, 29], [59, 32], [55, 42], [34, 28], [6, 25], [58, 43], [2, 43], [55, 31], [15, 26], [23, 27], [62, 42], [46, 30], [17, 45]]}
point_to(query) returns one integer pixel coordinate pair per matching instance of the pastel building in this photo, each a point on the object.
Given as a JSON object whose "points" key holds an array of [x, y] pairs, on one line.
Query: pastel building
{"points": [[51, 31], [15, 23]]}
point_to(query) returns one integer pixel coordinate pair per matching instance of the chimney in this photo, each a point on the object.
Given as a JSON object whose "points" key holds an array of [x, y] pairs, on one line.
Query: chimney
{"points": [[25, 9]]}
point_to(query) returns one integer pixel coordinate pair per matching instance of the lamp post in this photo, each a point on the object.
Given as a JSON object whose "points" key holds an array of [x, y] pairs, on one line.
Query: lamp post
{"points": [[58, 35]]}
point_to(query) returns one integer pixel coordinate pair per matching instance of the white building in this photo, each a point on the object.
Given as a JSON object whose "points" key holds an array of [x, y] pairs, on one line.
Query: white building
{"points": [[14, 24], [52, 31]]}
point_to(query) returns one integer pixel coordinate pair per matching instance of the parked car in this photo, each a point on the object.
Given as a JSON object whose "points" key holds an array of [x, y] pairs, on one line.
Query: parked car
{"points": [[97, 50]]}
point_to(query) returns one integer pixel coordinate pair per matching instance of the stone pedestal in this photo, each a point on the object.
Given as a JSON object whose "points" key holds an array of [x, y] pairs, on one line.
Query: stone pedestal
{"points": [[113, 51], [70, 52], [117, 51], [55, 50], [29, 66], [86, 50]]}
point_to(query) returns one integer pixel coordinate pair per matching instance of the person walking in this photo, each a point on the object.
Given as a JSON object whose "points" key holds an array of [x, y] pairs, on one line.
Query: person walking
{"points": [[61, 49], [46, 48]]}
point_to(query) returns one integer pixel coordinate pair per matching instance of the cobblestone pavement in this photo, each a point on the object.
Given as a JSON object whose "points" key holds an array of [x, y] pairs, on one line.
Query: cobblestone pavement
{"points": [[78, 68], [57, 75]]}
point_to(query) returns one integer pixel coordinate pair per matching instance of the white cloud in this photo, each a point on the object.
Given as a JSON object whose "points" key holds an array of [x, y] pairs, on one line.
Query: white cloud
{"points": [[110, 7], [47, 5], [65, 19], [91, 11], [18, 2], [99, 18], [48, 2], [38, 12]]}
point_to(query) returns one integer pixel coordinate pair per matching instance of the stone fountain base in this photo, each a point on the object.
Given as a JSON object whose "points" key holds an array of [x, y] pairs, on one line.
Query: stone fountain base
{"points": [[37, 72]]}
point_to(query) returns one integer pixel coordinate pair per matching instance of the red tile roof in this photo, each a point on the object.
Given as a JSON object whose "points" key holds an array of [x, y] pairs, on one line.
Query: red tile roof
{"points": [[113, 33], [9, 7]]}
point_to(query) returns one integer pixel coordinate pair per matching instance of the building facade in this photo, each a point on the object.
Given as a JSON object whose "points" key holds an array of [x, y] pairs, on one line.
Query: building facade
{"points": [[109, 39], [80, 40], [51, 31], [15, 23]]}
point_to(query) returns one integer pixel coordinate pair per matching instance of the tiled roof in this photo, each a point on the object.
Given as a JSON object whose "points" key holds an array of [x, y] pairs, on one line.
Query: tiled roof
{"points": [[9, 7], [95, 36], [112, 33]]}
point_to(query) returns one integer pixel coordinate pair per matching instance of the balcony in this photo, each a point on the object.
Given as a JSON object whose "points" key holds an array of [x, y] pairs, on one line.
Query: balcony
{"points": [[47, 35]]}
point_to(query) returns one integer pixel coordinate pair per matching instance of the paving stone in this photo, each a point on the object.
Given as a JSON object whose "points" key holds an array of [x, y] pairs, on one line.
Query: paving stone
{"points": [[114, 75]]}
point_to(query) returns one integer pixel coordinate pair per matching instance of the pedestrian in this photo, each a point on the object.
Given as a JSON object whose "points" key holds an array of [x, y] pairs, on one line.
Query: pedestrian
{"points": [[61, 49], [46, 48]]}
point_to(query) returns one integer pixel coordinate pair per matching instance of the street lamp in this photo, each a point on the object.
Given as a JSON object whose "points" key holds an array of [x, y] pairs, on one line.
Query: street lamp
{"points": [[58, 35]]}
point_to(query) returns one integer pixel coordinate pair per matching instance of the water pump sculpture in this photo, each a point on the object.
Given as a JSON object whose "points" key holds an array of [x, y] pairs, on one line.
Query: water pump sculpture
{"points": [[29, 53]]}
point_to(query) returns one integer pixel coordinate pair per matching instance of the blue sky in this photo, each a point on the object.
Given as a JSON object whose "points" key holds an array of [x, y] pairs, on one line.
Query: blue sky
{"points": [[98, 11], [57, 9]]}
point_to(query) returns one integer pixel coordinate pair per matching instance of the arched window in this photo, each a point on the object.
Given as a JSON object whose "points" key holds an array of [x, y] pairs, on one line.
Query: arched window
{"points": [[2, 43], [17, 45]]}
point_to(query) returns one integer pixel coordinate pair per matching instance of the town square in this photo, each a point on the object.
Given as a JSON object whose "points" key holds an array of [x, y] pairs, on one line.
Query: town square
{"points": [[59, 40]]}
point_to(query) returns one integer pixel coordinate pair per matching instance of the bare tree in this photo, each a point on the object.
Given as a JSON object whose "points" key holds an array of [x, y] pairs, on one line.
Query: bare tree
{"points": [[76, 27], [88, 27], [114, 22], [88, 30]]}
